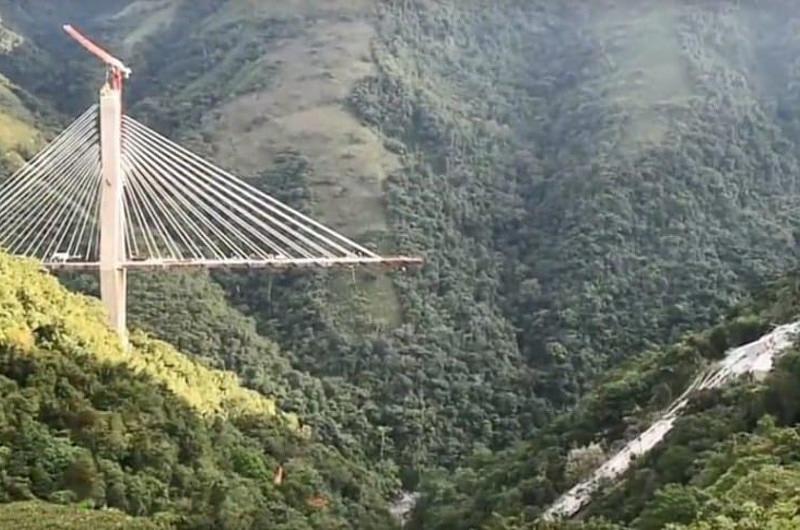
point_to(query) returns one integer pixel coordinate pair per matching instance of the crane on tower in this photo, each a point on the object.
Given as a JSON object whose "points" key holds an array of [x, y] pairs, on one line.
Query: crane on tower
{"points": [[118, 72]]}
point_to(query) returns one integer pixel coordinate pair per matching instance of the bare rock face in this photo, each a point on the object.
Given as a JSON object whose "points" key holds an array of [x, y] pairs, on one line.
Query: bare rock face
{"points": [[402, 507], [755, 358], [8, 39]]}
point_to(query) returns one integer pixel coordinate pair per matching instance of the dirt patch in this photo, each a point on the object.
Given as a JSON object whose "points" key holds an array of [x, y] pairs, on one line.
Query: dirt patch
{"points": [[303, 108], [642, 44]]}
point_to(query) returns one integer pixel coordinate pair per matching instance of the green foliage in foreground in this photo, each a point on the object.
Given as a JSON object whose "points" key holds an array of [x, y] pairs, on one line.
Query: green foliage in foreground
{"points": [[750, 480], [150, 432], [41, 516], [556, 242]]}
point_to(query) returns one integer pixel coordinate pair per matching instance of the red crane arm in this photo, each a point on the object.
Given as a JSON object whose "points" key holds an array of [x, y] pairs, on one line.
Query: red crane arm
{"points": [[117, 66]]}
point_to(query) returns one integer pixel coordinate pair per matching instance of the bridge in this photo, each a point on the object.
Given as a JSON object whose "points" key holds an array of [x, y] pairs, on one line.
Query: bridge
{"points": [[112, 195]]}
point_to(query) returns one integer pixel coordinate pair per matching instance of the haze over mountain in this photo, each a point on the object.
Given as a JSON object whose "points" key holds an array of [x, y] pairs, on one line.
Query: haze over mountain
{"points": [[587, 181]]}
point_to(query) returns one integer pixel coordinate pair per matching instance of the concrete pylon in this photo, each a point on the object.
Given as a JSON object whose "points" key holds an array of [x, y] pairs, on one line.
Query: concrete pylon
{"points": [[113, 276]]}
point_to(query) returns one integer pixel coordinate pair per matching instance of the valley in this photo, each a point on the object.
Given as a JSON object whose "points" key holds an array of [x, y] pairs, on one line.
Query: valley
{"points": [[605, 194]]}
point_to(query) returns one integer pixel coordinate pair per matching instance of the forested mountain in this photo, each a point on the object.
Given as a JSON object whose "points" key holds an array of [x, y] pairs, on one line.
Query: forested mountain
{"points": [[587, 180], [152, 433], [731, 460]]}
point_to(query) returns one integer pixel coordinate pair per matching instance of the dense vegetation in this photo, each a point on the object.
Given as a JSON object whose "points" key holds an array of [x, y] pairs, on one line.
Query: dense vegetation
{"points": [[587, 180], [574, 209], [150, 432], [726, 445], [43, 516]]}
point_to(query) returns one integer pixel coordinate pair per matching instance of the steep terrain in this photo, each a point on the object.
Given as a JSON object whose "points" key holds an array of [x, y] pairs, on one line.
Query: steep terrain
{"points": [[587, 180], [729, 460], [151, 432], [19, 137], [42, 516], [754, 359]]}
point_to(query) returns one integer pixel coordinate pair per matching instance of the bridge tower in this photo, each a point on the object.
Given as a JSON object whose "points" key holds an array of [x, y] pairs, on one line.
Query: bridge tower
{"points": [[113, 274]]}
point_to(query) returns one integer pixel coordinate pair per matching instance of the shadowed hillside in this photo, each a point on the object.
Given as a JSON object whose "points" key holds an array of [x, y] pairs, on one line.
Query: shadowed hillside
{"points": [[731, 459], [587, 180]]}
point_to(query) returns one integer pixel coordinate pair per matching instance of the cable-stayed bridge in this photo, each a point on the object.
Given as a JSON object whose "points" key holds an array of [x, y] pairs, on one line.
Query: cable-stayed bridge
{"points": [[177, 210], [111, 194]]}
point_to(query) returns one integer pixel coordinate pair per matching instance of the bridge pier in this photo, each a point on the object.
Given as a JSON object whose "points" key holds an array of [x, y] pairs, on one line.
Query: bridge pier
{"points": [[113, 276]]}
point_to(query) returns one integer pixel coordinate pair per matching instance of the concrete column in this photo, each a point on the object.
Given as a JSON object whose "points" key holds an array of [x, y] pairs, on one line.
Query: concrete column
{"points": [[113, 280]]}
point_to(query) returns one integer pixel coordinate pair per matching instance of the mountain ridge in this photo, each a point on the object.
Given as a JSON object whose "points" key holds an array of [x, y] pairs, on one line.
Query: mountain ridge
{"points": [[587, 181]]}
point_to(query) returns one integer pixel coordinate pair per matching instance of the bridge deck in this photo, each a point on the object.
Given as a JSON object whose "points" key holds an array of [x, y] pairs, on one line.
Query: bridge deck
{"points": [[399, 262]]}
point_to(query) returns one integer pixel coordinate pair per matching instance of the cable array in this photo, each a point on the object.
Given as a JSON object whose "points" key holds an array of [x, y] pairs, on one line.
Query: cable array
{"points": [[49, 208], [181, 207]]}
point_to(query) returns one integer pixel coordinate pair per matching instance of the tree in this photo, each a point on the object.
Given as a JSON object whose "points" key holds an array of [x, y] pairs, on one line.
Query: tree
{"points": [[581, 461]]}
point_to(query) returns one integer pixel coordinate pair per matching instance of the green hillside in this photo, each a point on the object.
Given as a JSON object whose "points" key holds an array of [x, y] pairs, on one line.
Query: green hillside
{"points": [[587, 181], [149, 431], [41, 516], [19, 138], [731, 462]]}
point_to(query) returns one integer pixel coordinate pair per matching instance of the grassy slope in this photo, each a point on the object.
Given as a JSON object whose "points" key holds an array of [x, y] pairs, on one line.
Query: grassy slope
{"points": [[41, 516], [290, 94], [43, 303], [223, 337], [150, 16], [179, 86], [651, 74], [622, 170], [18, 137], [309, 76], [622, 210]]}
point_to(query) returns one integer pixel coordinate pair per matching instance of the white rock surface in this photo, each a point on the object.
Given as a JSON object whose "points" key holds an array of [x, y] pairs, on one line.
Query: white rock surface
{"points": [[8, 39], [402, 506], [755, 357]]}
